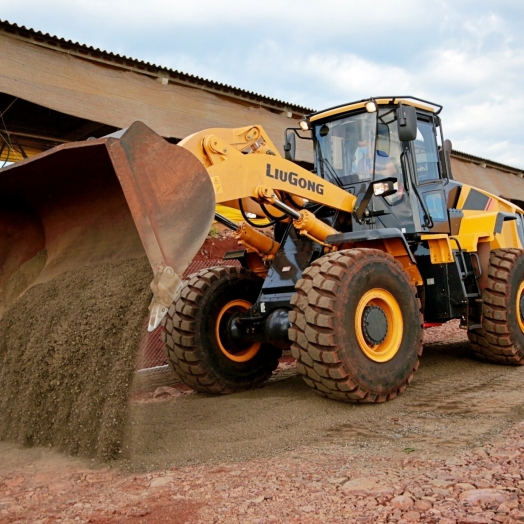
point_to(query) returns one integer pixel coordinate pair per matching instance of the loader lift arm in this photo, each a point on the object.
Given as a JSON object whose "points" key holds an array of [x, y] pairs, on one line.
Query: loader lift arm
{"points": [[242, 161]]}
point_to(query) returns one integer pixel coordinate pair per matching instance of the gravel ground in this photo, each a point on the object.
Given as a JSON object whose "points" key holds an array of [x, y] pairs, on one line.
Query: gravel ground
{"points": [[309, 485], [449, 450]]}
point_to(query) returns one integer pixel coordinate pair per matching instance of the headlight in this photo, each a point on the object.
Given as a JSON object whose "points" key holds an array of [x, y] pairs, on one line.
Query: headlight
{"points": [[304, 125]]}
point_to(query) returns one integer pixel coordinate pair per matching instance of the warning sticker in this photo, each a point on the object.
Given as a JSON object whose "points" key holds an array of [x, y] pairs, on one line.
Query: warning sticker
{"points": [[216, 184]]}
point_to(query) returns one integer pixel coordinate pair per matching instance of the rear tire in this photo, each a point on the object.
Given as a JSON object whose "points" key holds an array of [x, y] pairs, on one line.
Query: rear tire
{"points": [[356, 326], [501, 338], [196, 345]]}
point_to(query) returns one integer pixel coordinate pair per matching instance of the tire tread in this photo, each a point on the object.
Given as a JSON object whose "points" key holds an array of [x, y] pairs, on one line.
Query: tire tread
{"points": [[313, 330], [184, 356], [493, 342]]}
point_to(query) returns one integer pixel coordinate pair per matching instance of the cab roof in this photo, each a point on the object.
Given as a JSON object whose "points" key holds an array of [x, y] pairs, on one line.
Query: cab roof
{"points": [[382, 100]]}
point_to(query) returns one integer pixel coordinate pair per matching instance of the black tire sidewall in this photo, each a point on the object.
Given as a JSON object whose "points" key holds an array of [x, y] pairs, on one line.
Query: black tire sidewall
{"points": [[244, 285], [516, 276]]}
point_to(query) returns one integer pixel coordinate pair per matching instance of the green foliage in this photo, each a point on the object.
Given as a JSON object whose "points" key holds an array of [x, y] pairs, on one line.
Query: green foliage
{"points": [[213, 232]]}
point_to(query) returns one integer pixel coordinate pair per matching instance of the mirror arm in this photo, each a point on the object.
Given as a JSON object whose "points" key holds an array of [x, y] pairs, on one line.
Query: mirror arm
{"points": [[407, 178], [428, 220], [370, 191], [297, 131]]}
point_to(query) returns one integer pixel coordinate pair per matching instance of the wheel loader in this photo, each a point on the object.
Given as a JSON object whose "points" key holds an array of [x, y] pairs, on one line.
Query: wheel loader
{"points": [[355, 258]]}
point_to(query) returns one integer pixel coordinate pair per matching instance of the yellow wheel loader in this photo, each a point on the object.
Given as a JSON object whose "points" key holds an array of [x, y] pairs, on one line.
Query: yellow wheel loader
{"points": [[357, 255]]}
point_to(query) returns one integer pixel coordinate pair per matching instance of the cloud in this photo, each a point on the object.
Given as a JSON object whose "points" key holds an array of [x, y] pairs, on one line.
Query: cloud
{"points": [[354, 76], [478, 75], [335, 15], [467, 55]]}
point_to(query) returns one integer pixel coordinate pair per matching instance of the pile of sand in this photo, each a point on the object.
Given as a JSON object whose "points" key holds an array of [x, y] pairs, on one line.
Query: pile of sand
{"points": [[67, 354]]}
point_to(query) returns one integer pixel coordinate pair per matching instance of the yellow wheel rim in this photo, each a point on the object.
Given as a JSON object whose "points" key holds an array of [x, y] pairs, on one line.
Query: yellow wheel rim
{"points": [[518, 309], [235, 306], [389, 347]]}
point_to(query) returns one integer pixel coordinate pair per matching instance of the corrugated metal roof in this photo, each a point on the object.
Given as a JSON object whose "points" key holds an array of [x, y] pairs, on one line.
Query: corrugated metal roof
{"points": [[99, 55], [487, 163], [124, 62]]}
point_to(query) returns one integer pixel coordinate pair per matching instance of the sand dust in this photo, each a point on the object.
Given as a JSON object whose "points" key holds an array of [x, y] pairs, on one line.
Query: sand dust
{"points": [[67, 351], [67, 356]]}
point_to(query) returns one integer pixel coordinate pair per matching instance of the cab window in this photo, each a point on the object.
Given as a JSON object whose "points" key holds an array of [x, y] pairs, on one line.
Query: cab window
{"points": [[435, 204], [426, 153]]}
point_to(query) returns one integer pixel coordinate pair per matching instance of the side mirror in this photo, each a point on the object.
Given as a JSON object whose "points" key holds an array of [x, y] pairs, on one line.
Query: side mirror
{"points": [[447, 158], [290, 145], [448, 146], [381, 188], [444, 154], [407, 123]]}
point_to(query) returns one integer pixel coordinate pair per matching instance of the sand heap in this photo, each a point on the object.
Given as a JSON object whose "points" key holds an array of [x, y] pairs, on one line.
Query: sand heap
{"points": [[67, 354]]}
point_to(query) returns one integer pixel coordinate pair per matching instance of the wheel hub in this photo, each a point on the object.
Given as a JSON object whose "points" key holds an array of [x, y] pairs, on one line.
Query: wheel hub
{"points": [[379, 325], [237, 353], [521, 308], [375, 325]]}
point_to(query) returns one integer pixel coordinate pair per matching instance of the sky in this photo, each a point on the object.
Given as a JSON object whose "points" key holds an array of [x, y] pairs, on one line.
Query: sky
{"points": [[466, 55]]}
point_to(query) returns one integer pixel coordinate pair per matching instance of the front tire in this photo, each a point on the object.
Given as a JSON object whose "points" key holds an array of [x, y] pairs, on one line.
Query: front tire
{"points": [[356, 326], [501, 338], [196, 333]]}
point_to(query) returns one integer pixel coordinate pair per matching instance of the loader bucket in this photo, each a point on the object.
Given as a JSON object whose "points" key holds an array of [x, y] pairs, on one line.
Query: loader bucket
{"points": [[102, 200]]}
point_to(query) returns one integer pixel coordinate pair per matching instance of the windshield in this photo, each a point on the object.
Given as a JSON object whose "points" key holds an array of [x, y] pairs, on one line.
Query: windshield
{"points": [[358, 148]]}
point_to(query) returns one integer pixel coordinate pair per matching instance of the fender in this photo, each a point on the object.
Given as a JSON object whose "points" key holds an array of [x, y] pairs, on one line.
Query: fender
{"points": [[391, 240]]}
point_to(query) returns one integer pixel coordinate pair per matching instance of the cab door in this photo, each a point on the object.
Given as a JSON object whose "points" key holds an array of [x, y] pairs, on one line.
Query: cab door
{"points": [[398, 208], [426, 174]]}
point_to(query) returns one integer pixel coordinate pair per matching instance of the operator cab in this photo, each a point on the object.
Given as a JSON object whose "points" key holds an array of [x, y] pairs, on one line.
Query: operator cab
{"points": [[356, 144]]}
